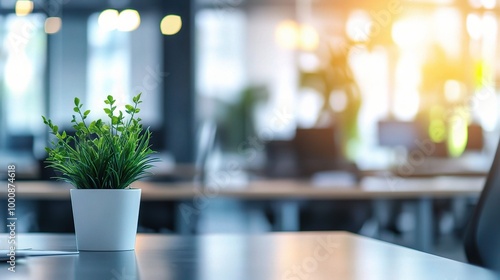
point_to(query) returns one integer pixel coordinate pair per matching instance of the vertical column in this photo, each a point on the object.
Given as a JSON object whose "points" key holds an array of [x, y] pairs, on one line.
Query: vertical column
{"points": [[68, 71], [178, 94], [425, 222]]}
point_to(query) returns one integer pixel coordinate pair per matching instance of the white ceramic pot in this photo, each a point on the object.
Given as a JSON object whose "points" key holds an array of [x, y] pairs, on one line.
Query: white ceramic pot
{"points": [[105, 220]]}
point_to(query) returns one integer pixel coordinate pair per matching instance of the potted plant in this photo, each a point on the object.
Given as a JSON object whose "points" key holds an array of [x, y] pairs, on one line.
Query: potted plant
{"points": [[101, 161]]}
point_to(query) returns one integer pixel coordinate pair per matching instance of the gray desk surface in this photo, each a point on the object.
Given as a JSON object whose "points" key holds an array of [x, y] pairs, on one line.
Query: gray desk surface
{"points": [[313, 255]]}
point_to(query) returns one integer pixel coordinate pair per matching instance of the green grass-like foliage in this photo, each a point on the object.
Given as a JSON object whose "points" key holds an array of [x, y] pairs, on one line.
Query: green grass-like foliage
{"points": [[102, 155]]}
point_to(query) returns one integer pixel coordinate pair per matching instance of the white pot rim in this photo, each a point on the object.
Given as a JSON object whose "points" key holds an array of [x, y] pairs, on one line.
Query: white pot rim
{"points": [[127, 189]]}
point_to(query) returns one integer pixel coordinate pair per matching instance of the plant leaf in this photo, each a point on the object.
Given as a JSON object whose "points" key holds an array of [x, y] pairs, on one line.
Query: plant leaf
{"points": [[104, 154]]}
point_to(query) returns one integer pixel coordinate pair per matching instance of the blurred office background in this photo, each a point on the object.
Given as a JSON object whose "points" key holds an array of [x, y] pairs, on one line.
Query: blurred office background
{"points": [[328, 91]]}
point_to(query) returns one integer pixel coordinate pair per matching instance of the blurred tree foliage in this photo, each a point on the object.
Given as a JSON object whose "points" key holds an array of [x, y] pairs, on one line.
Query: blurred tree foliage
{"points": [[336, 76], [236, 120]]}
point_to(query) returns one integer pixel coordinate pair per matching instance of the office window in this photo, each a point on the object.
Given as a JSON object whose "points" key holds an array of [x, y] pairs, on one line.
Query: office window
{"points": [[411, 62], [22, 82], [236, 52], [108, 65], [22, 72], [124, 64], [220, 51]]}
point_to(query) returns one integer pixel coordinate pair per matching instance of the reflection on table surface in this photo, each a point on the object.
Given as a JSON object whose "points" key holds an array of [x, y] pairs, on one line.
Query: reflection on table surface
{"points": [[312, 255]]}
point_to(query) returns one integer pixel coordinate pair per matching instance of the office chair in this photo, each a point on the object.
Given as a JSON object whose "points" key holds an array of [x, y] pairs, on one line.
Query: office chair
{"points": [[318, 149], [152, 213], [482, 238], [392, 133], [281, 160], [475, 137]]}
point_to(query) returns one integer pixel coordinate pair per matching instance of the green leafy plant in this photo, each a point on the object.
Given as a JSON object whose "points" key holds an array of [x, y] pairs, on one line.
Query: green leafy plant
{"points": [[102, 155]]}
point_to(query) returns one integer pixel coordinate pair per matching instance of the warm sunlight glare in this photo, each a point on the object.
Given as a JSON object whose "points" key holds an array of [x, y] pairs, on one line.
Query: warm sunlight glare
{"points": [[24, 7], [409, 32], [473, 25], [108, 20], [287, 34], [338, 100], [309, 38], [489, 4], [53, 25], [458, 134], [358, 26], [170, 24], [453, 90], [128, 20]]}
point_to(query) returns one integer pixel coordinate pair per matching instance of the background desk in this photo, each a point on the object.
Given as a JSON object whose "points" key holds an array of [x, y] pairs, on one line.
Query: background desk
{"points": [[288, 193], [326, 255], [369, 188]]}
